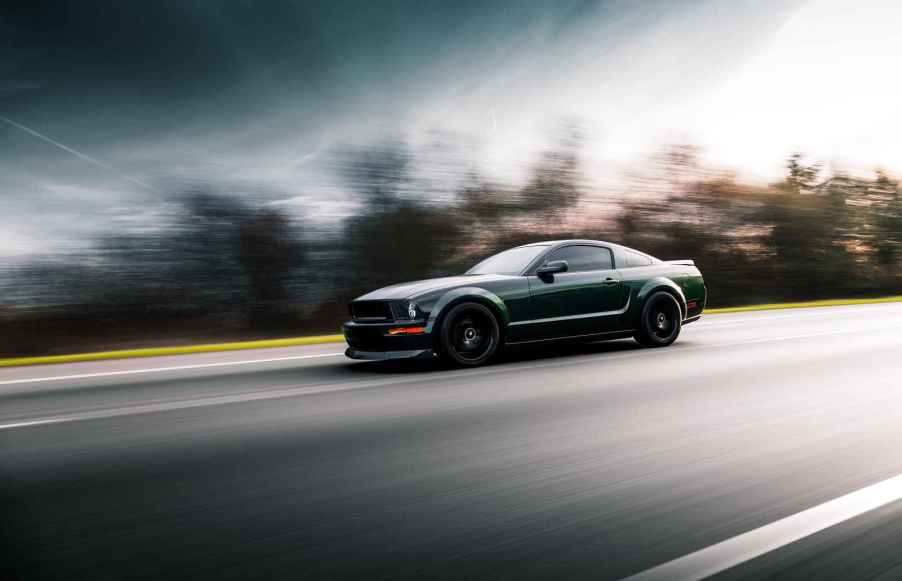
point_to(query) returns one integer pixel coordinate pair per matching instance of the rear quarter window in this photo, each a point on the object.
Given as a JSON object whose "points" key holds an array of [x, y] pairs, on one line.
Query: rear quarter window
{"points": [[634, 259]]}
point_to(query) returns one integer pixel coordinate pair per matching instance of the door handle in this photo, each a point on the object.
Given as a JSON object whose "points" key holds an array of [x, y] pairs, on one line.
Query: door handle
{"points": [[610, 280]]}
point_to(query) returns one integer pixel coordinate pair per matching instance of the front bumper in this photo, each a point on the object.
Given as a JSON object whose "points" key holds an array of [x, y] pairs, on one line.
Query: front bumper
{"points": [[385, 355], [371, 341]]}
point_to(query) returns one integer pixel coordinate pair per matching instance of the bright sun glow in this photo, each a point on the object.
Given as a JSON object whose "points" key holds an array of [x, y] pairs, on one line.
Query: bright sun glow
{"points": [[827, 84]]}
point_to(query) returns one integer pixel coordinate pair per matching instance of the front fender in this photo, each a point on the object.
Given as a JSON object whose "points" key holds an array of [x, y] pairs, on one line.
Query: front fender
{"points": [[653, 285], [454, 295]]}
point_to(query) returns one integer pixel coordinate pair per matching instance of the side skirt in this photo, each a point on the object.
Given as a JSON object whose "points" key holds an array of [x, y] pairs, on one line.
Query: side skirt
{"points": [[608, 335]]}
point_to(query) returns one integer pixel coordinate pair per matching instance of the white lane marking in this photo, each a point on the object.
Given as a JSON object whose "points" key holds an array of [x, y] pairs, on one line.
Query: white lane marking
{"points": [[391, 381], [184, 404], [739, 549], [790, 337], [160, 369], [721, 318]]}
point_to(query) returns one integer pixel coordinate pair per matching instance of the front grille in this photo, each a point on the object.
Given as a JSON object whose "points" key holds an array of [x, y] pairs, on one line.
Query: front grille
{"points": [[370, 310], [363, 337]]}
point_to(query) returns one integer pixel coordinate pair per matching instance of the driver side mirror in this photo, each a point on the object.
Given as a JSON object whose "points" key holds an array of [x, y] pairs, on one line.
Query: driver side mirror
{"points": [[553, 267]]}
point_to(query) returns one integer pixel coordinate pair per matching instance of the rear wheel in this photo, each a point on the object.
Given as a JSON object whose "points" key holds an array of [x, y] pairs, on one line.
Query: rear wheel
{"points": [[469, 334], [660, 322]]}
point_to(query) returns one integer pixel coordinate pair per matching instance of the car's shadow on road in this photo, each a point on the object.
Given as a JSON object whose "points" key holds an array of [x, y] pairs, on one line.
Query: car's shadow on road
{"points": [[511, 355]]}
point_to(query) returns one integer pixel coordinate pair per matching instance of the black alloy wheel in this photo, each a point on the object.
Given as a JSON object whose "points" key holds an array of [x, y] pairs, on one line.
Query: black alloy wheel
{"points": [[661, 320], [470, 334]]}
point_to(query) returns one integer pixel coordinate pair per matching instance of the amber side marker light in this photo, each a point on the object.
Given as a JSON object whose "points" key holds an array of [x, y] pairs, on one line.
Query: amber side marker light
{"points": [[406, 330]]}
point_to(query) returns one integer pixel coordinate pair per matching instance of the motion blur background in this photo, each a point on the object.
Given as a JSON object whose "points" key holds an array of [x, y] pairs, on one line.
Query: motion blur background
{"points": [[179, 171]]}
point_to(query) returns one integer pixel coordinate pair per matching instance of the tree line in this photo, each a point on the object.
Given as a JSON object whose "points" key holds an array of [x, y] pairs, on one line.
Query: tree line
{"points": [[223, 267]]}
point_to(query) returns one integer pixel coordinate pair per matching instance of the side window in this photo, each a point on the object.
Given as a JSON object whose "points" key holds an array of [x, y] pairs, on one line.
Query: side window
{"points": [[633, 259], [583, 258]]}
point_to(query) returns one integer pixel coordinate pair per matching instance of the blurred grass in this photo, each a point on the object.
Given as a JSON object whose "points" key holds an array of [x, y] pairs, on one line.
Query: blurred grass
{"points": [[803, 305], [161, 351], [296, 341]]}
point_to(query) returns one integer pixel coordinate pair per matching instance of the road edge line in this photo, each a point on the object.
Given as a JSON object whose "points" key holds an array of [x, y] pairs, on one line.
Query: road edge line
{"points": [[750, 545]]}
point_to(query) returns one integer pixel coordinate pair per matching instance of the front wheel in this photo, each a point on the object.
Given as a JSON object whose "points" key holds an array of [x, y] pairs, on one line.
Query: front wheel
{"points": [[469, 334], [660, 322]]}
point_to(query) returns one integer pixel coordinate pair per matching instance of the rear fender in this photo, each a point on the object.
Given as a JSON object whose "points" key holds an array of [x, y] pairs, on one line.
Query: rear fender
{"points": [[652, 286]]}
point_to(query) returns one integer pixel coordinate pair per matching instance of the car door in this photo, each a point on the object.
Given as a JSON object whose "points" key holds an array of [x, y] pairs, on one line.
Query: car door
{"points": [[584, 300]]}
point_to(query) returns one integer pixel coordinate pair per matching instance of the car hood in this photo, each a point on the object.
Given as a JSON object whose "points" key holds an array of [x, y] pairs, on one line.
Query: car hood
{"points": [[409, 290]]}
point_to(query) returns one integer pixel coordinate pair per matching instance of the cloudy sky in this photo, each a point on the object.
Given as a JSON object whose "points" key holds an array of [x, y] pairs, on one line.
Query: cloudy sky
{"points": [[106, 107]]}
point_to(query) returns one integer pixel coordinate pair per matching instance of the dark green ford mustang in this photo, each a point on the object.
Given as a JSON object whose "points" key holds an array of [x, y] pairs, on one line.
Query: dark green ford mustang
{"points": [[566, 289]]}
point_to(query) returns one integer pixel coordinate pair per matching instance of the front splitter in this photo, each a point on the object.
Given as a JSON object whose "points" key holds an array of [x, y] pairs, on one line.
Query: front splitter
{"points": [[386, 355]]}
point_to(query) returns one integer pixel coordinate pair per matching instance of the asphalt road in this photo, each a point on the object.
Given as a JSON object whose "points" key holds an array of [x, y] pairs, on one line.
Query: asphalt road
{"points": [[594, 461]]}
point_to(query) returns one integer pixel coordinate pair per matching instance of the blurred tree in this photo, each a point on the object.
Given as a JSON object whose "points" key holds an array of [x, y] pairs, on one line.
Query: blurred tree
{"points": [[483, 203], [271, 254], [817, 237], [800, 177], [553, 187], [219, 257], [888, 221], [405, 241], [378, 174], [392, 238]]}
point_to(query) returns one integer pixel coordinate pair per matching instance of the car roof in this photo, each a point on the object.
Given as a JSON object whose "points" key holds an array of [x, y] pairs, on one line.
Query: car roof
{"points": [[586, 241], [572, 241]]}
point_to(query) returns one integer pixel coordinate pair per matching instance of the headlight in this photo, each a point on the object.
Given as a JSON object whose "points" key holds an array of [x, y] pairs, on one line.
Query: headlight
{"points": [[406, 311]]}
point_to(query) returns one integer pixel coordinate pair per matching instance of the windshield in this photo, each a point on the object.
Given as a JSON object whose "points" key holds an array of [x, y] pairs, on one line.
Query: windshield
{"points": [[511, 261]]}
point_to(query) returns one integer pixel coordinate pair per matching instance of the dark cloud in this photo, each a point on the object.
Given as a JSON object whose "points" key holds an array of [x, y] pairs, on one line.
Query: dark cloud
{"points": [[181, 91], [199, 60]]}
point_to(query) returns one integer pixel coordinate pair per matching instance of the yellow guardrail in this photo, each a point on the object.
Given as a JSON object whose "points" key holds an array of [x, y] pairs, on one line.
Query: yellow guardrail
{"points": [[294, 341]]}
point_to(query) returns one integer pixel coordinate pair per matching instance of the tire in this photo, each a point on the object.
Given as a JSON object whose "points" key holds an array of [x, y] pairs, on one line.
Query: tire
{"points": [[660, 321], [469, 335]]}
